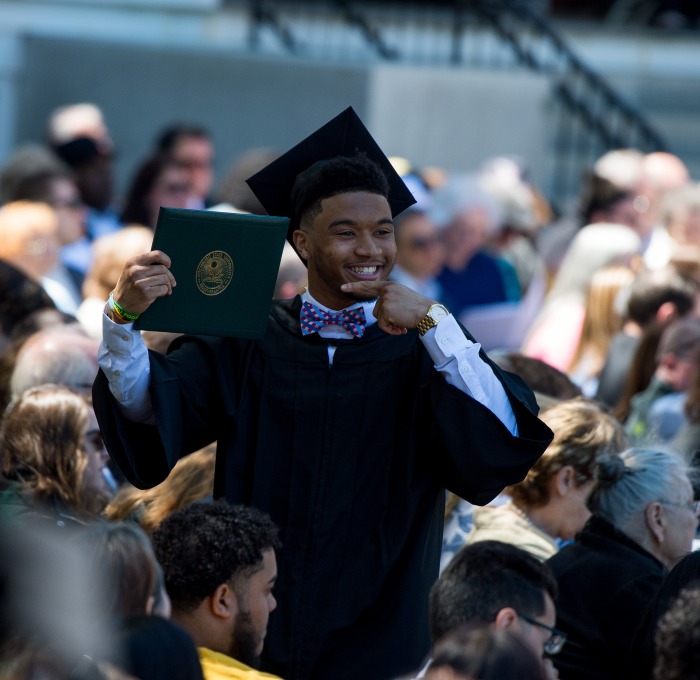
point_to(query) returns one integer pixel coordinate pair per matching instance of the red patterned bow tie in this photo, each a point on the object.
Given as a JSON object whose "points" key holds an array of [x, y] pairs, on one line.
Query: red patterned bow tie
{"points": [[314, 319]]}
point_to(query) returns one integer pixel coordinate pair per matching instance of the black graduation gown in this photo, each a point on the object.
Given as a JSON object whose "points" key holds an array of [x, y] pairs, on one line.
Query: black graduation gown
{"points": [[350, 460]]}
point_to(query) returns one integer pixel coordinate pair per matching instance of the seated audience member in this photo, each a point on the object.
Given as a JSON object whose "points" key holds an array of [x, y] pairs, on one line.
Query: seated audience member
{"points": [[686, 574], [52, 457], [29, 239], [522, 208], [153, 648], [653, 298], [78, 135], [191, 480], [549, 505], [220, 568], [20, 296], [158, 182], [110, 253], [122, 553], [483, 653], [190, 147], [662, 173], [419, 253], [502, 586], [601, 322], [551, 386], [687, 439], [60, 354], [677, 640], [51, 623], [680, 214], [556, 331], [57, 189], [28, 160], [600, 189], [32, 324], [468, 217], [676, 366], [643, 522]]}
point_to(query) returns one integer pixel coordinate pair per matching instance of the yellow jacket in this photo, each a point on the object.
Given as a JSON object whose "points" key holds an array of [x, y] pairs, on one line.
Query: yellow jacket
{"points": [[218, 666]]}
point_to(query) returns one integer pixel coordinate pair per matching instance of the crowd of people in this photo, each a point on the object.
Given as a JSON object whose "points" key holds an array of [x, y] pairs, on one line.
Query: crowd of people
{"points": [[474, 460]]}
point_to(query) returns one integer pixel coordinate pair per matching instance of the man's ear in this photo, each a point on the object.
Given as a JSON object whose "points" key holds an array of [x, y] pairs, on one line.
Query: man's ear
{"points": [[564, 480], [666, 312], [301, 243], [505, 619], [656, 520], [223, 603]]}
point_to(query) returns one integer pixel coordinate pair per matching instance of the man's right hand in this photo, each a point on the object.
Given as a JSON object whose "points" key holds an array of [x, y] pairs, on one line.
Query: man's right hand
{"points": [[143, 279]]}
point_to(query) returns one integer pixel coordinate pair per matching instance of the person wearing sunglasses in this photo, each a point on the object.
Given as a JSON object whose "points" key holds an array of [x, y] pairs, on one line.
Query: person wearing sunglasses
{"points": [[419, 253]]}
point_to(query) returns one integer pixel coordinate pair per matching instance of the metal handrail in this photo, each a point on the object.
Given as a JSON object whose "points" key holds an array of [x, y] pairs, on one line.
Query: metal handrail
{"points": [[593, 117]]}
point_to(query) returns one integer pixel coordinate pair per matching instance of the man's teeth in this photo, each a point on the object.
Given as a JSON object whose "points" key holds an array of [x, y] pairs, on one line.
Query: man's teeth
{"points": [[364, 270]]}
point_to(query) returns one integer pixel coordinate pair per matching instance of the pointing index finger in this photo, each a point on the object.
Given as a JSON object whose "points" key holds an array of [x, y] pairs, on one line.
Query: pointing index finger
{"points": [[364, 286]]}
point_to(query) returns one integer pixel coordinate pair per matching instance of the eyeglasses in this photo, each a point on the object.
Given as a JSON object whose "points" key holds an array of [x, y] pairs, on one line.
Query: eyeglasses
{"points": [[693, 506], [556, 639]]}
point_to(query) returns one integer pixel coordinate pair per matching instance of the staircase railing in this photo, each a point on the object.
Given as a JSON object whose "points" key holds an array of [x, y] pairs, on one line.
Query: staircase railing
{"points": [[589, 116]]}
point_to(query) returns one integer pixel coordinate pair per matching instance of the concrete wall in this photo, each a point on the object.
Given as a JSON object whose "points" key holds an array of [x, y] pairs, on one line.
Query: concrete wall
{"points": [[451, 118]]}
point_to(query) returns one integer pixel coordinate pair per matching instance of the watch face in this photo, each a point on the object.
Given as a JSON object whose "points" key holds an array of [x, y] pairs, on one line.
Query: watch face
{"points": [[438, 312]]}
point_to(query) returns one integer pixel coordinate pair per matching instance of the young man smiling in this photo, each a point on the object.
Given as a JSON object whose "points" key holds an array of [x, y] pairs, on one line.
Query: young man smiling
{"points": [[345, 423]]}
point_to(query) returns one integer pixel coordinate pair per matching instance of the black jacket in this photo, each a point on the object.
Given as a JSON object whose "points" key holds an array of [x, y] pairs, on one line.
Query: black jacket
{"points": [[349, 460], [606, 582]]}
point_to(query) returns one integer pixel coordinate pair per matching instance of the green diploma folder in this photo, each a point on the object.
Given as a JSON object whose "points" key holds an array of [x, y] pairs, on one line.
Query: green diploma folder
{"points": [[225, 266]]}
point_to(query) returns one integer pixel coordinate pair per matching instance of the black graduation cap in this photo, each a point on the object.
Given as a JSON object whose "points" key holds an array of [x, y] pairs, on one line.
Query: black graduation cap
{"points": [[344, 135]]}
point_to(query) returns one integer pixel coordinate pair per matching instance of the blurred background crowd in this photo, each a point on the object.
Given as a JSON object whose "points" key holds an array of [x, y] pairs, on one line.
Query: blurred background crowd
{"points": [[593, 298]]}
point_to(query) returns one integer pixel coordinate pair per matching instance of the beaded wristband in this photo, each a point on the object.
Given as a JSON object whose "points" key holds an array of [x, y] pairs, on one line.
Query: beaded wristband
{"points": [[118, 309]]}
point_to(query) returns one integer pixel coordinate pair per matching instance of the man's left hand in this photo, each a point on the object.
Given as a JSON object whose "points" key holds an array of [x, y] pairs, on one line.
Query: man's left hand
{"points": [[398, 308]]}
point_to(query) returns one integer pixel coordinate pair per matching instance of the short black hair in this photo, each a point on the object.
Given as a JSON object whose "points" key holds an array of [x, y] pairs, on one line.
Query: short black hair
{"points": [[210, 543], [340, 175], [482, 579]]}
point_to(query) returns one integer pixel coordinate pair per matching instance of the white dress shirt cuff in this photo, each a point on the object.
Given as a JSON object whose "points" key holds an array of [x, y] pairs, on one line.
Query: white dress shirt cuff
{"points": [[123, 357], [457, 358]]}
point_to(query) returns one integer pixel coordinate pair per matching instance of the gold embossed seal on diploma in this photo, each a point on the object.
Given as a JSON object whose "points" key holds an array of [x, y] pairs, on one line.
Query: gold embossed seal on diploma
{"points": [[225, 265], [214, 272]]}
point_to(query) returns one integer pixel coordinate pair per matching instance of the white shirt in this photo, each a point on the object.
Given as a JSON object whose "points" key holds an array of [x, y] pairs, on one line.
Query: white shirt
{"points": [[123, 357]]}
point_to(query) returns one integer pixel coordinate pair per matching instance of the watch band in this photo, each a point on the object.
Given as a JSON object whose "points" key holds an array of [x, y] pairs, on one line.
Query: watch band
{"points": [[436, 313], [425, 324]]}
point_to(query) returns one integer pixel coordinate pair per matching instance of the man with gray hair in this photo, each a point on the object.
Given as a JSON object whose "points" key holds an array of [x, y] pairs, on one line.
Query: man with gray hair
{"points": [[469, 216], [62, 355]]}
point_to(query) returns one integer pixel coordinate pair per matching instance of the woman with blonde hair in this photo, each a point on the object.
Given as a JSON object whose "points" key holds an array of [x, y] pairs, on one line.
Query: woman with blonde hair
{"points": [[550, 505], [601, 322], [110, 252], [52, 456], [192, 479]]}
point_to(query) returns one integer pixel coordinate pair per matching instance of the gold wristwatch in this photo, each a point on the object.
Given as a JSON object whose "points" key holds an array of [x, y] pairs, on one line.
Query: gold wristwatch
{"points": [[436, 313]]}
